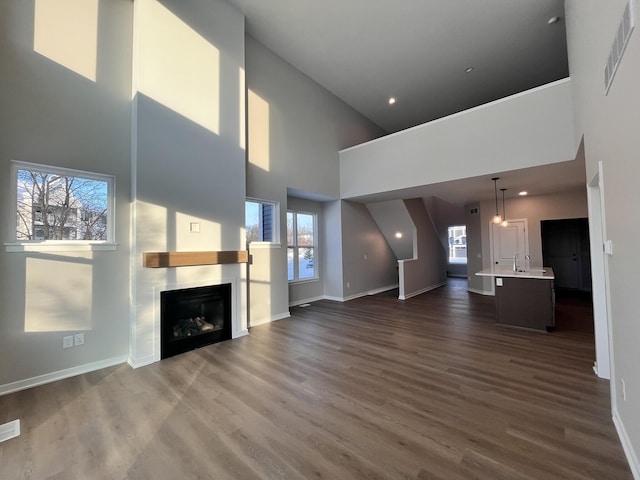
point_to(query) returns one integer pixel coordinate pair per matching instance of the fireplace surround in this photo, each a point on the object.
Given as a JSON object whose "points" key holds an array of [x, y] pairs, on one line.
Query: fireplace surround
{"points": [[191, 318]]}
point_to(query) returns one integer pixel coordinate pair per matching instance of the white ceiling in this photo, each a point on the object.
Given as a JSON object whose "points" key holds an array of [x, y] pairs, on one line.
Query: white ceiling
{"points": [[364, 51]]}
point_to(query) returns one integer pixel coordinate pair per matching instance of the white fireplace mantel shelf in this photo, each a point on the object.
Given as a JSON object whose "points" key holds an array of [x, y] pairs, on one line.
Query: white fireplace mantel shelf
{"points": [[190, 259]]}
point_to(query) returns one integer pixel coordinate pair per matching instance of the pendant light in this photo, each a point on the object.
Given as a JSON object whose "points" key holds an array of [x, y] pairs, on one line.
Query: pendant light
{"points": [[496, 218], [504, 210]]}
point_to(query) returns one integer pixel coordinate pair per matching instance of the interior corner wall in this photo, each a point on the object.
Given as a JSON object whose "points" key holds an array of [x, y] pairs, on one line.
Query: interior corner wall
{"points": [[609, 124], [332, 261], [445, 215], [428, 270], [189, 157], [295, 131], [475, 253], [368, 263], [54, 113]]}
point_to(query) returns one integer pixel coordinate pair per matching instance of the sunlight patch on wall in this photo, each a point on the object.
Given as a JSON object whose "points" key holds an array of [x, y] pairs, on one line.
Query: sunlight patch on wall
{"points": [[177, 67], [58, 294], [243, 105], [66, 32], [258, 131], [261, 278], [151, 230], [197, 234]]}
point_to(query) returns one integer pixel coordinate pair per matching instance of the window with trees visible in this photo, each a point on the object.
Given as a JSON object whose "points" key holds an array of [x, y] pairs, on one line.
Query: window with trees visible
{"points": [[261, 220], [458, 244], [301, 246], [57, 204]]}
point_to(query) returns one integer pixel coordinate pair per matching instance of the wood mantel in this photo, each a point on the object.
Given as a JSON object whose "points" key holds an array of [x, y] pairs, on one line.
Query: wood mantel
{"points": [[190, 259]]}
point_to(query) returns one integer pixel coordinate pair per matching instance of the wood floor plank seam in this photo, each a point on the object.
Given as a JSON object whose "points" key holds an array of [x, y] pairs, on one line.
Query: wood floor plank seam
{"points": [[374, 388]]}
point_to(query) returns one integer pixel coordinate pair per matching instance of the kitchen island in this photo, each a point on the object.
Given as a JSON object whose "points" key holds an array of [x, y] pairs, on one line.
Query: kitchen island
{"points": [[524, 298]]}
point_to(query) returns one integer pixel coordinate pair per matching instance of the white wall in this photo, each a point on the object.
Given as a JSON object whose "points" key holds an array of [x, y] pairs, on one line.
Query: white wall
{"points": [[610, 128], [295, 130], [189, 157], [53, 115], [528, 129]]}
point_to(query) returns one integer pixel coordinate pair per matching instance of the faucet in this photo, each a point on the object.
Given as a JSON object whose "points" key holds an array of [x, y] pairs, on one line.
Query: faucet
{"points": [[527, 261], [515, 261]]}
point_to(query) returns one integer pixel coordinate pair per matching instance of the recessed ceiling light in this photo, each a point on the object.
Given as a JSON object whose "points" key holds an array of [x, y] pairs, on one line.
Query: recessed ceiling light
{"points": [[523, 193], [553, 20], [398, 235], [392, 100], [468, 69]]}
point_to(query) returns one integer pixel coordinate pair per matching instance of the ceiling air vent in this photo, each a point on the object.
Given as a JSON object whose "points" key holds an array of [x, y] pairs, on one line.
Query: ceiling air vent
{"points": [[619, 44]]}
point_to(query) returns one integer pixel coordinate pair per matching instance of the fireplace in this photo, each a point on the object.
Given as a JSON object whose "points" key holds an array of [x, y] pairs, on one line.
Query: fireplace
{"points": [[194, 317]]}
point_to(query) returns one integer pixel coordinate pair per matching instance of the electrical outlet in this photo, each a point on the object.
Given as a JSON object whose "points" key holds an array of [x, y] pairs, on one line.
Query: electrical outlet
{"points": [[78, 339], [624, 390], [348, 284], [67, 342]]}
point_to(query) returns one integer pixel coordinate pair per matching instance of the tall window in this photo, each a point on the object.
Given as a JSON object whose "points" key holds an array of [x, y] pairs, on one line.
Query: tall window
{"points": [[301, 246], [261, 220], [61, 204], [458, 244]]}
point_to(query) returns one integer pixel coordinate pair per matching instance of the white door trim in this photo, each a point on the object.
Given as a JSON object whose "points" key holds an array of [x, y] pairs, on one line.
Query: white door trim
{"points": [[600, 279]]}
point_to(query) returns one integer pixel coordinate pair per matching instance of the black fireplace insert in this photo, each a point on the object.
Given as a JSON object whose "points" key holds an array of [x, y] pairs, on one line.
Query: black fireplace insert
{"points": [[194, 317]]}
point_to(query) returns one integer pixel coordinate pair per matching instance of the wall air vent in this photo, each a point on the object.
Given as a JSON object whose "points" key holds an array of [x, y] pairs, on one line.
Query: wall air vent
{"points": [[473, 211], [619, 44]]}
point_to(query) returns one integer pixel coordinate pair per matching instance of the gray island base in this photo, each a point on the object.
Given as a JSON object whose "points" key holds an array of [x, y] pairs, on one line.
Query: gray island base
{"points": [[524, 299]]}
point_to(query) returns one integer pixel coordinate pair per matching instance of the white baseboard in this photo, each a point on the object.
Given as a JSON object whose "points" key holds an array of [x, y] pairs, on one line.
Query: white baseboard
{"points": [[274, 318], [333, 299], [382, 289], [9, 430], [60, 375], [306, 300], [142, 362], [367, 293], [632, 457], [480, 292], [421, 291]]}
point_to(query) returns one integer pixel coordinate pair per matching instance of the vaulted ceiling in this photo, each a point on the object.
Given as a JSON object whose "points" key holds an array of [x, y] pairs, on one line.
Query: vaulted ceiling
{"points": [[419, 51]]}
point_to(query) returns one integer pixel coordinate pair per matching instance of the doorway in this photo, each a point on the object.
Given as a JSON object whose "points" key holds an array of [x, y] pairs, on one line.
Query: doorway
{"points": [[508, 240], [565, 248]]}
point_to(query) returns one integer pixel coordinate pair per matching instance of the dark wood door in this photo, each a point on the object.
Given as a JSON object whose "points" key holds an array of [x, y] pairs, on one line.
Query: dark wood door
{"points": [[565, 248]]}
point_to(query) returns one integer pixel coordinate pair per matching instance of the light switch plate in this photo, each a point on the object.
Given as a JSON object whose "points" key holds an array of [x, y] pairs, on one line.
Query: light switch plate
{"points": [[498, 282]]}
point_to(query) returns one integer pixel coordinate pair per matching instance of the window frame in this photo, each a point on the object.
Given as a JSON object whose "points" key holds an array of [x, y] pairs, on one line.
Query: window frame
{"points": [[296, 248], [275, 221], [18, 245]]}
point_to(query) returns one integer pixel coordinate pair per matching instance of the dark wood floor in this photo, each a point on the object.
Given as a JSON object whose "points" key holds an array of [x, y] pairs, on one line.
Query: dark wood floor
{"points": [[374, 388]]}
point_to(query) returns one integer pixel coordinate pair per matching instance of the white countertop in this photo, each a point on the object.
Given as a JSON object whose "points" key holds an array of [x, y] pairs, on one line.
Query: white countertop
{"points": [[543, 273]]}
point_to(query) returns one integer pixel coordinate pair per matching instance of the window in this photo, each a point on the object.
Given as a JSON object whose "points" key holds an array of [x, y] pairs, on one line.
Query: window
{"points": [[301, 246], [55, 205], [458, 244], [261, 219]]}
